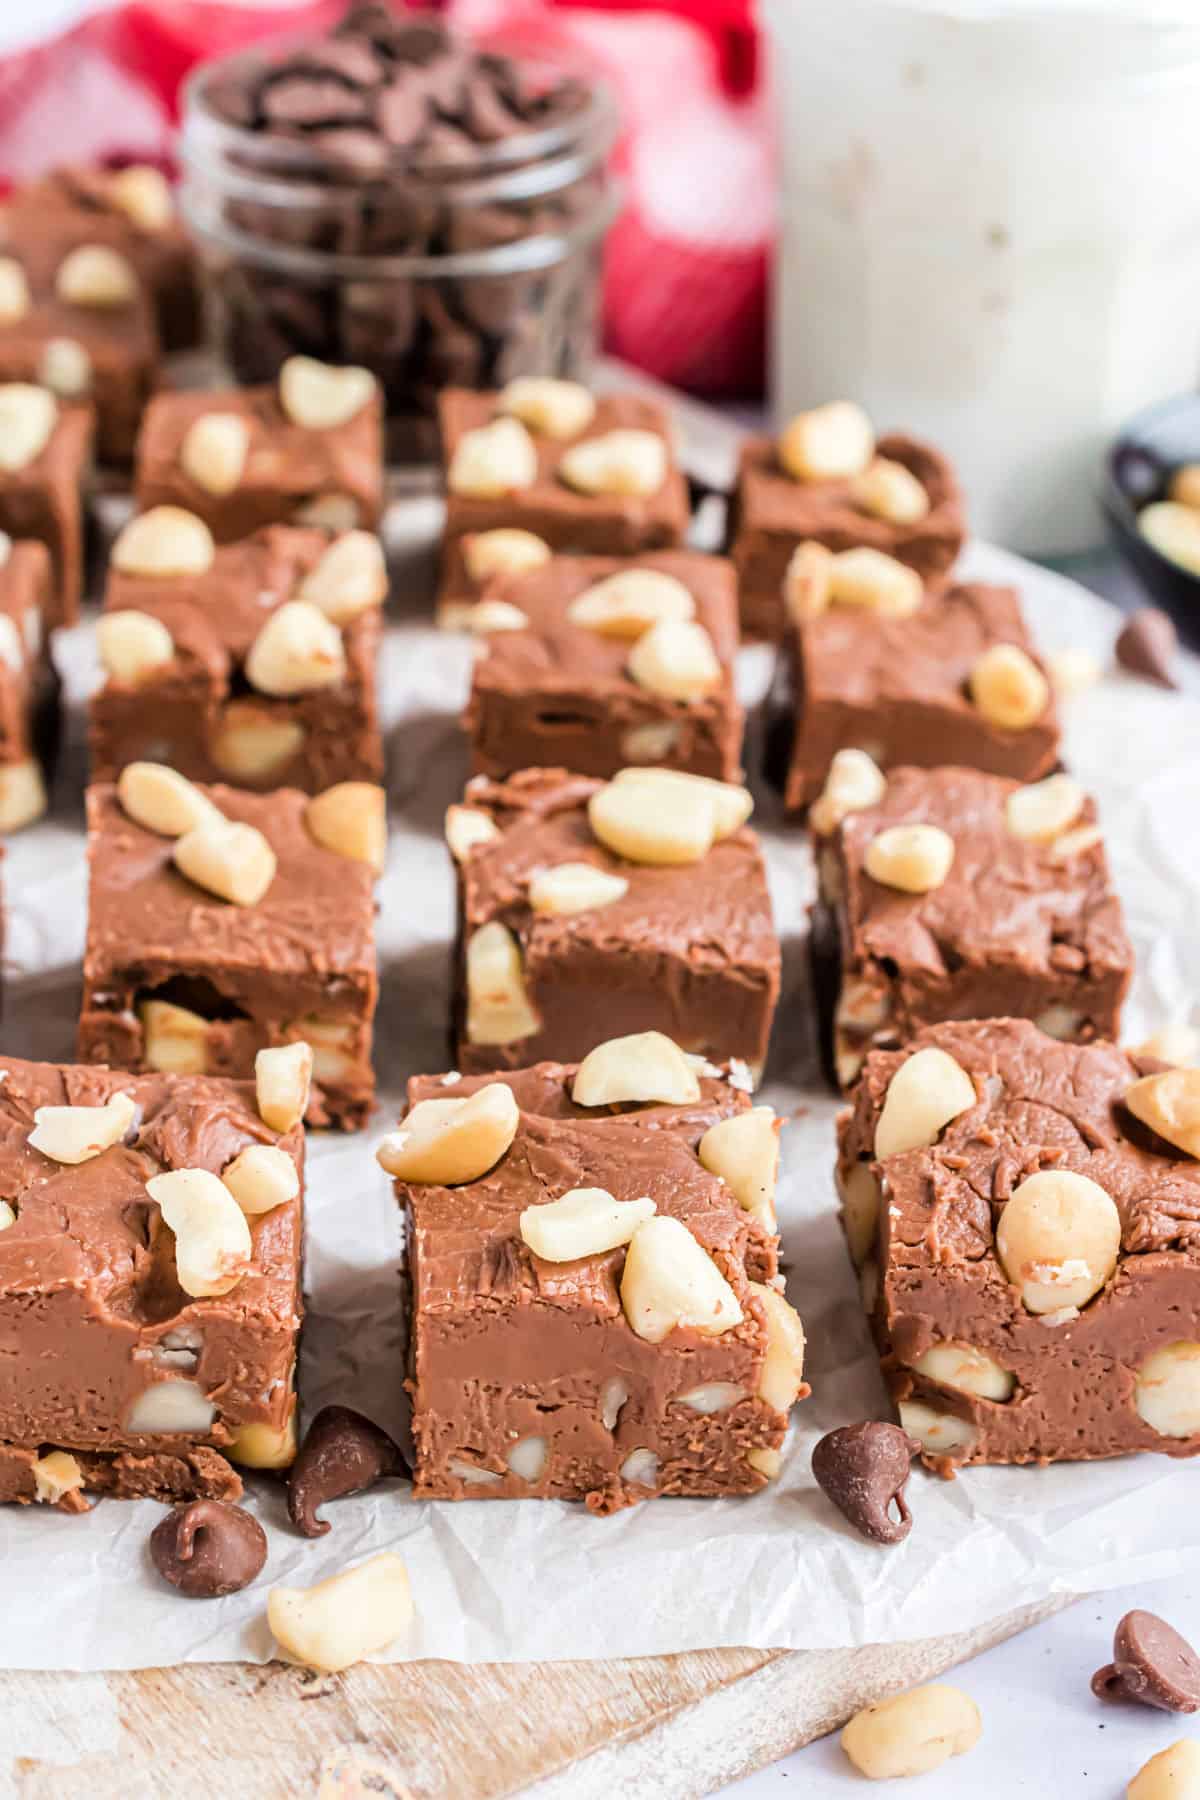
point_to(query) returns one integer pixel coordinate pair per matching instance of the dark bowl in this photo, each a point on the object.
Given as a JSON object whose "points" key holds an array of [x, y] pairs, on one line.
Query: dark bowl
{"points": [[1137, 469]]}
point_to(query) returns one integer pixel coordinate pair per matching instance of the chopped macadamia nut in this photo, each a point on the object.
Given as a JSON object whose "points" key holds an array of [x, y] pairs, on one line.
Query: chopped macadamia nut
{"points": [[574, 887], [344, 1618], [498, 1009], [912, 1733], [676, 659], [1167, 1391], [28, 416], [56, 1475], [214, 451], [231, 860], [465, 827], [808, 581], [873, 580], [926, 1092], [448, 1142], [174, 1039], [506, 551], [670, 1280], [639, 1069], [262, 1446], [1008, 687], [1169, 1103], [557, 409], [261, 1177], [164, 541], [830, 443], [630, 603], [350, 818], [318, 397], [630, 461], [1058, 1239], [297, 651], [162, 800], [583, 1222], [1044, 810], [282, 1077], [493, 460], [132, 645], [914, 858], [967, 1369], [95, 275], [744, 1151], [74, 1134], [351, 578], [888, 490], [212, 1239], [854, 781]]}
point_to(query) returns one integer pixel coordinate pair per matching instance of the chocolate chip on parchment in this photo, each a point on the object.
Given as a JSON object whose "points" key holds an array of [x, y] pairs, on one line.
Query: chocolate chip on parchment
{"points": [[863, 1469], [1152, 1665], [1147, 645], [342, 1453], [208, 1548]]}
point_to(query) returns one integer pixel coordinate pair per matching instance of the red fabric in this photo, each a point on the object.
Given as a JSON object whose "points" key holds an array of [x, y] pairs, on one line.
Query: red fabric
{"points": [[687, 261]]}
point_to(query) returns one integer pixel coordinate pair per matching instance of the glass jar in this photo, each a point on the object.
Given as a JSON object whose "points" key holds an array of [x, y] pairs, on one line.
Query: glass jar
{"points": [[431, 274]]}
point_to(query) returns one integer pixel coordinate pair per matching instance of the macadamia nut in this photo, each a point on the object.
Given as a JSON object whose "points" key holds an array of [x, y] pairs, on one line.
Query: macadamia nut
{"points": [[829, 443], [1008, 688], [912, 1733], [926, 1092], [1167, 1390], [642, 1069], [557, 409], [670, 1280], [447, 1142], [582, 1222], [320, 397], [162, 800], [914, 858], [744, 1151], [345, 1618], [212, 1239], [1058, 1239], [631, 602], [854, 782]]}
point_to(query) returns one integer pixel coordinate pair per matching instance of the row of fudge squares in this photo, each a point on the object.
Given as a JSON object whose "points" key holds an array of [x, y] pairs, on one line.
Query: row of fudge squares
{"points": [[597, 1311], [306, 451], [558, 468]]}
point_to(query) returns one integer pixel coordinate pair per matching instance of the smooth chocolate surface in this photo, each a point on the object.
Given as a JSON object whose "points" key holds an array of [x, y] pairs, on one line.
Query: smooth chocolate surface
{"points": [[771, 513], [299, 964], [28, 692], [289, 468], [898, 689], [593, 524], [507, 1348], [1011, 932], [558, 695], [44, 501], [120, 340], [81, 201], [183, 713], [92, 1316], [688, 951], [1041, 1105]]}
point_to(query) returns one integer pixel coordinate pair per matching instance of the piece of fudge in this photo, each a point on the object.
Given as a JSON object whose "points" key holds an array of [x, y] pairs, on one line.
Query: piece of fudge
{"points": [[253, 663], [74, 319], [958, 895], [129, 210], [591, 910], [118, 1375], [307, 450], [605, 1345], [603, 482], [45, 462], [28, 683], [1024, 1213], [618, 661], [267, 939], [957, 681], [827, 480]]}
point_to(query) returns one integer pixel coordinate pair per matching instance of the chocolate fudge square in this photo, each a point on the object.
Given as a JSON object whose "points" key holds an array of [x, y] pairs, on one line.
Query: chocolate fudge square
{"points": [[1031, 1266], [307, 450], [132, 211], [1026, 923], [561, 692], [599, 523], [76, 321], [45, 463], [28, 683], [536, 1375], [900, 688], [175, 977], [547, 969], [114, 1378], [212, 685], [772, 513]]}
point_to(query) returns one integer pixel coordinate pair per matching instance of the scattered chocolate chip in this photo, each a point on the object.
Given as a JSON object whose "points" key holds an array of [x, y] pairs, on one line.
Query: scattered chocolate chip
{"points": [[1152, 1665], [208, 1548], [1147, 645], [863, 1469], [342, 1453]]}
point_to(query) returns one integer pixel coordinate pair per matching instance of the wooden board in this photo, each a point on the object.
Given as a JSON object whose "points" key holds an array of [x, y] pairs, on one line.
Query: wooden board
{"points": [[661, 1728]]}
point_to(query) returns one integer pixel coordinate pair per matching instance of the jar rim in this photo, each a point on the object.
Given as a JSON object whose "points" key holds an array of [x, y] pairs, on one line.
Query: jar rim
{"points": [[520, 167]]}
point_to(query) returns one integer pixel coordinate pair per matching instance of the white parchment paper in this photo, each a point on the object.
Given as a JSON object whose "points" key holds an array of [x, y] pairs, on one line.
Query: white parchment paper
{"points": [[527, 1580]]}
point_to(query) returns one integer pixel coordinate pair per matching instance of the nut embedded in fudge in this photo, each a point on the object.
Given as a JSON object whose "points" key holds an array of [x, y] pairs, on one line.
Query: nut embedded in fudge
{"points": [[307, 450], [148, 1335], [591, 910], [28, 684], [252, 663], [608, 661], [129, 210], [596, 1314], [221, 923], [956, 682], [74, 319], [591, 474], [45, 455], [1023, 922], [1024, 1213], [828, 481]]}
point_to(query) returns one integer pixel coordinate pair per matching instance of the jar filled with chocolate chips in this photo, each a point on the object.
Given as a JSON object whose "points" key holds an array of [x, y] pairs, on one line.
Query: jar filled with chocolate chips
{"points": [[393, 196]]}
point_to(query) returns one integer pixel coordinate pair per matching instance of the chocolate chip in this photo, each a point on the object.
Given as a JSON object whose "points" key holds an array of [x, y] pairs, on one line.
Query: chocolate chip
{"points": [[343, 1453], [863, 1469], [1147, 645], [1152, 1665], [208, 1548]]}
